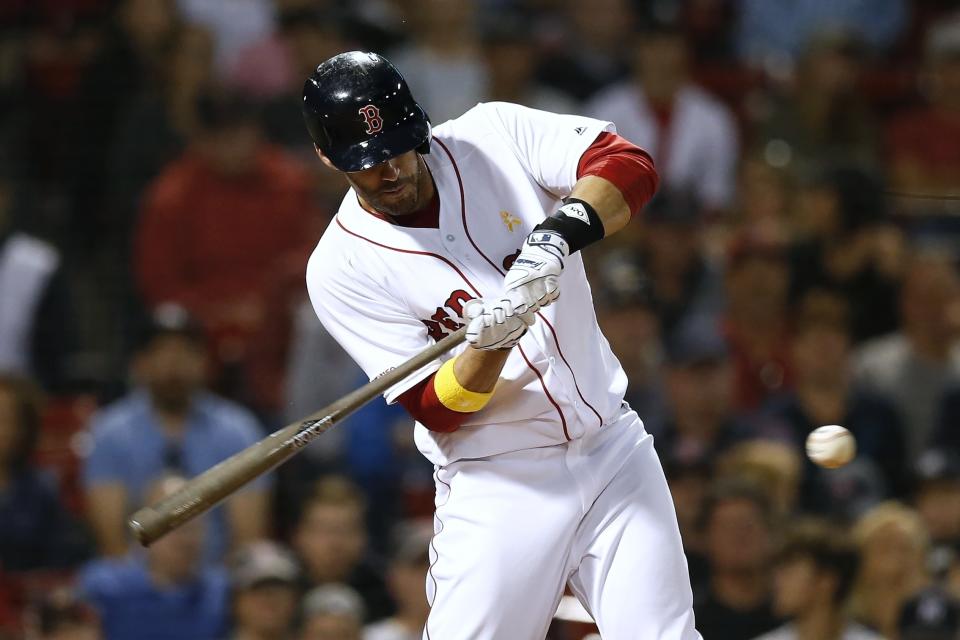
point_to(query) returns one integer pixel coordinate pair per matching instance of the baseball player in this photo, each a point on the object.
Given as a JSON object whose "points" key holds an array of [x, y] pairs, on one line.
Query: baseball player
{"points": [[544, 476]]}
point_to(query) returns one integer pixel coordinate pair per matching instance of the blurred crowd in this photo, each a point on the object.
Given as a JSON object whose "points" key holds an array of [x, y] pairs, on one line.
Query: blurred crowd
{"points": [[799, 267]]}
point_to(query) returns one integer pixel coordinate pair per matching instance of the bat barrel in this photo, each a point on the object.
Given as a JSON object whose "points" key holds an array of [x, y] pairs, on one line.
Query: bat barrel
{"points": [[213, 485], [209, 488]]}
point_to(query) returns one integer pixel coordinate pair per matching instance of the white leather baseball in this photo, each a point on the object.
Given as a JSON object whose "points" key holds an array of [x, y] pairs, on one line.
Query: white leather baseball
{"points": [[831, 446]]}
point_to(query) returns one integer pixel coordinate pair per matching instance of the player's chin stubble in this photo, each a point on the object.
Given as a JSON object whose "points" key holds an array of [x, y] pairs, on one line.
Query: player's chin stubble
{"points": [[405, 203]]}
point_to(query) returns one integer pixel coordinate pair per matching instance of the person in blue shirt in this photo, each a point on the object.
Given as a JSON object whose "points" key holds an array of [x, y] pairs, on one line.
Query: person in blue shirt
{"points": [[163, 593], [169, 423]]}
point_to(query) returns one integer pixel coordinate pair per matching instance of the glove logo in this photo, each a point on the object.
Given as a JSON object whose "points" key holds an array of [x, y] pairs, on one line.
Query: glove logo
{"points": [[371, 118], [577, 211]]}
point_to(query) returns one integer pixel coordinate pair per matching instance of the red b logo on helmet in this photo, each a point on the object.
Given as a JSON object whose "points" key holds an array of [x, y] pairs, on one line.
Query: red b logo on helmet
{"points": [[371, 116]]}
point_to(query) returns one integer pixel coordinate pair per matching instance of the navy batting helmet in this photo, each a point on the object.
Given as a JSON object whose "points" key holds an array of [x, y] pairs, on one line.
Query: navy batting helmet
{"points": [[359, 111]]}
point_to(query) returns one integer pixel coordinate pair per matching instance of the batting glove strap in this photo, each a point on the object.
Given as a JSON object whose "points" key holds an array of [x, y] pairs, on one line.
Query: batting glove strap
{"points": [[533, 279], [577, 222]]}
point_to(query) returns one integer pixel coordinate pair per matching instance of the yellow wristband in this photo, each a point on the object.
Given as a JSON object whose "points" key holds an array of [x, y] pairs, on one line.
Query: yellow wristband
{"points": [[453, 395]]}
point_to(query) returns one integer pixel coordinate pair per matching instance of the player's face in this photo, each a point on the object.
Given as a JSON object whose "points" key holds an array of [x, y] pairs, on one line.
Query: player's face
{"points": [[396, 187]]}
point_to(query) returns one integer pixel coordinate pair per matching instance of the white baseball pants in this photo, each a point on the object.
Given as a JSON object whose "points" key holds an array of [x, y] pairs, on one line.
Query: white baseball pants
{"points": [[511, 530]]}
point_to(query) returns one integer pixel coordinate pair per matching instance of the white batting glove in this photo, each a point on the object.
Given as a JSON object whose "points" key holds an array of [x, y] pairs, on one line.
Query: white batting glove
{"points": [[533, 280], [495, 324]]}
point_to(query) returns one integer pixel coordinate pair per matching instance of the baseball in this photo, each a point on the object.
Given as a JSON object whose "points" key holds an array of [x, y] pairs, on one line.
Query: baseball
{"points": [[831, 446]]}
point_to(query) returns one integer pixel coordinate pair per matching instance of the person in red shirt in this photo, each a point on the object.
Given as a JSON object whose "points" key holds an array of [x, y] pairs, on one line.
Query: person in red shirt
{"points": [[217, 222], [924, 144]]}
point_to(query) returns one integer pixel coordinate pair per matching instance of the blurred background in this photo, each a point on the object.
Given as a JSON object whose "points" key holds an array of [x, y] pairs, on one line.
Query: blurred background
{"points": [[159, 197]]}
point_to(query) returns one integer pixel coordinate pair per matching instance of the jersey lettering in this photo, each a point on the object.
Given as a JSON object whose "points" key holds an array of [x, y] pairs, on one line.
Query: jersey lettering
{"points": [[371, 117], [441, 322]]}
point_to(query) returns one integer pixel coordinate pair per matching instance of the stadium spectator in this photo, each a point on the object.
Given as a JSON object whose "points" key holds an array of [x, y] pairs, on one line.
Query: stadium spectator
{"points": [[595, 46], [916, 365], [757, 285], [689, 485], [691, 136], [893, 545], [130, 62], [264, 68], [680, 279], [37, 338], [738, 538], [236, 24], [332, 612], [227, 179], [771, 35], [36, 532], [155, 129], [844, 242], [61, 615], [824, 394], [441, 62], [772, 466], [307, 35], [812, 580], [933, 614], [169, 423], [699, 389], [630, 324], [406, 575], [166, 592], [946, 435], [264, 594], [923, 146], [936, 497], [819, 116], [511, 58], [294, 366], [331, 541], [764, 197]]}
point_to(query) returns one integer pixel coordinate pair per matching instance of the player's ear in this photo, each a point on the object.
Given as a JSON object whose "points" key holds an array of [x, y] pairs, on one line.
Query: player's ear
{"points": [[324, 159]]}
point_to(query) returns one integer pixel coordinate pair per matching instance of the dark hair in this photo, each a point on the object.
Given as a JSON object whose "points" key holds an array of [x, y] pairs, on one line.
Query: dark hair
{"points": [[28, 403], [823, 309], [219, 109], [731, 490], [828, 547], [859, 195], [333, 490]]}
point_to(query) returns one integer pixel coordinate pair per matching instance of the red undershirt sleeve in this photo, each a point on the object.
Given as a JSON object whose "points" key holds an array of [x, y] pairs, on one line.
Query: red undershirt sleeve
{"points": [[422, 403], [624, 164]]}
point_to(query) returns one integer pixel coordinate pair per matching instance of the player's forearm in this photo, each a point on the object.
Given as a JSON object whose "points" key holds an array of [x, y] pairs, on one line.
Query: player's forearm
{"points": [[478, 370], [606, 199], [462, 386]]}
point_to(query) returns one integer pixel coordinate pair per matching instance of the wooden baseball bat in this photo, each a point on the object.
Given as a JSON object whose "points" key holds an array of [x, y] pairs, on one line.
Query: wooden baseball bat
{"points": [[213, 485]]}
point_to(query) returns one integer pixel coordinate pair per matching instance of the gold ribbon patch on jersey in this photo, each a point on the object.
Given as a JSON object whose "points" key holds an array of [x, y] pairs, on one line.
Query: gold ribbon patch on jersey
{"points": [[510, 220]]}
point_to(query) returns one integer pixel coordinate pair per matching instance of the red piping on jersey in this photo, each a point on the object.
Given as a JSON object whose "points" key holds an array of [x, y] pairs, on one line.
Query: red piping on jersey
{"points": [[466, 230], [560, 352], [563, 420], [463, 206], [463, 212], [419, 253], [549, 397]]}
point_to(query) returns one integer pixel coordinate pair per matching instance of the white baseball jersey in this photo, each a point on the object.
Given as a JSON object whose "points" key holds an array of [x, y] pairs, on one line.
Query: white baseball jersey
{"points": [[386, 292], [555, 480]]}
